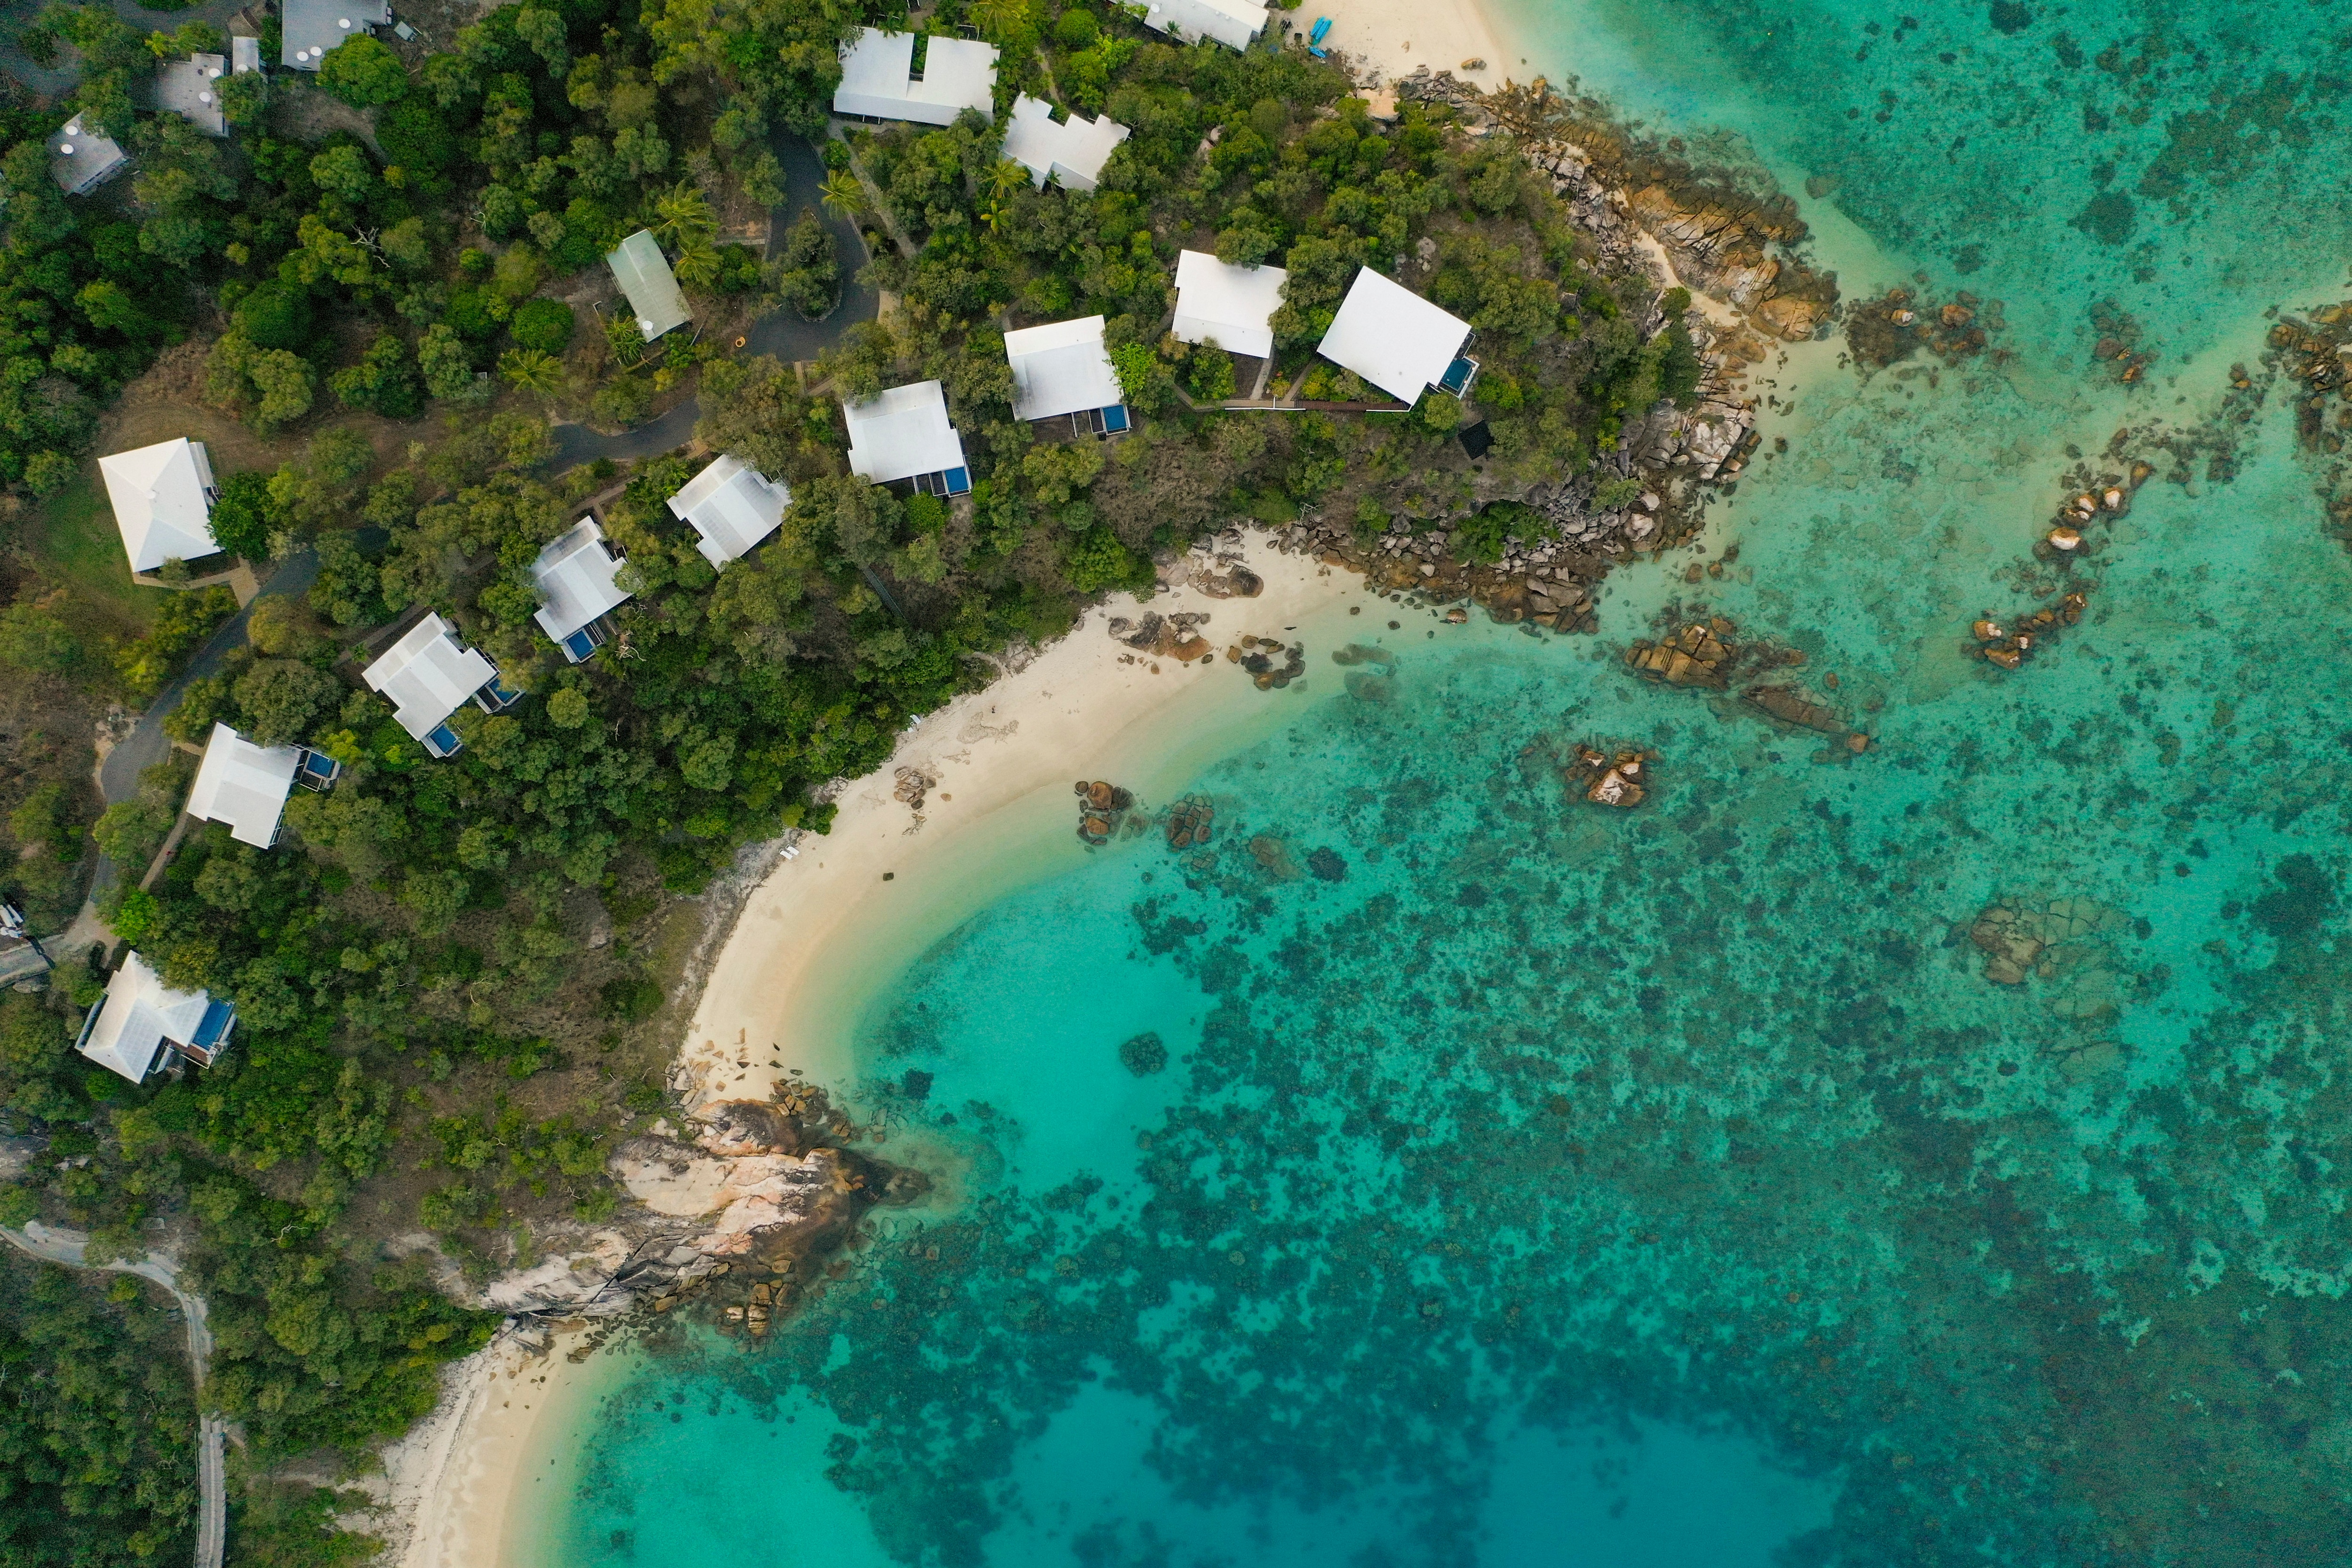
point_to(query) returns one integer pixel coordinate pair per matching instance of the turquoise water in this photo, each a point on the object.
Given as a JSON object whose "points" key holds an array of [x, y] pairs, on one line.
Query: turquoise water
{"points": [[1676, 1187]]}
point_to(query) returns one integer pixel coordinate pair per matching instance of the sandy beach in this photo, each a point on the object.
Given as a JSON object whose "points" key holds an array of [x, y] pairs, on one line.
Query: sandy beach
{"points": [[1398, 37], [882, 885]]}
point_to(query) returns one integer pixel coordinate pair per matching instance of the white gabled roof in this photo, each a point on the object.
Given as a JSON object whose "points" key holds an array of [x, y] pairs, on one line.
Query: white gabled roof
{"points": [[643, 275], [139, 1014], [1061, 369], [427, 676], [732, 506], [311, 28], [903, 433], [1075, 151], [1393, 337], [1229, 306], [577, 572], [191, 90], [244, 785], [162, 500], [1230, 22], [877, 78], [82, 157]]}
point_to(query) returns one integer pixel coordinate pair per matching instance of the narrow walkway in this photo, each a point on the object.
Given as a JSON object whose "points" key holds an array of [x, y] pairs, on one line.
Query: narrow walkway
{"points": [[69, 1247]]}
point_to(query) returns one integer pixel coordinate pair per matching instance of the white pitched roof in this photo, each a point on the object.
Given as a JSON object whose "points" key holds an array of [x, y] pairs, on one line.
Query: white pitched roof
{"points": [[311, 28], [1229, 306], [1393, 337], [427, 676], [82, 157], [903, 433], [733, 506], [162, 500], [1061, 369], [643, 275], [877, 78], [191, 90], [577, 572], [244, 785], [1230, 22], [139, 1013], [1075, 151]]}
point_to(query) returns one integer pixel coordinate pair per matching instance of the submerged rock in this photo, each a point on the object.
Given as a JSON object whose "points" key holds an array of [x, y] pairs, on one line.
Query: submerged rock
{"points": [[1144, 1055]]}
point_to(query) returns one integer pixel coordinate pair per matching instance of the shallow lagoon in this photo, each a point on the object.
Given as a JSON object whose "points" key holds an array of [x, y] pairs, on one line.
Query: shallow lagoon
{"points": [[1556, 1186]]}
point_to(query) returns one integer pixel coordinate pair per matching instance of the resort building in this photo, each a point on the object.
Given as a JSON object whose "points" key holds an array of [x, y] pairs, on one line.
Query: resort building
{"points": [[904, 437], [1232, 307], [191, 90], [311, 28], [732, 506], [880, 79], [140, 1020], [1398, 341], [1065, 369], [245, 786], [1232, 23], [426, 676], [643, 272], [576, 575], [163, 498], [1073, 152], [82, 158]]}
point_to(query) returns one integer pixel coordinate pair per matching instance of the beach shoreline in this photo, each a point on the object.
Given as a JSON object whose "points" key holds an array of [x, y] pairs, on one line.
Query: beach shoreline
{"points": [[1396, 37]]}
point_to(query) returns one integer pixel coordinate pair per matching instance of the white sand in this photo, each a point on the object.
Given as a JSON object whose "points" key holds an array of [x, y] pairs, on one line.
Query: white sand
{"points": [[1396, 37], [812, 938], [455, 1493]]}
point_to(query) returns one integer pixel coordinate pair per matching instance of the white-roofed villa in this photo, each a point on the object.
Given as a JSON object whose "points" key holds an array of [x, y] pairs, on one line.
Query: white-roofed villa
{"points": [[1229, 306], [903, 437], [577, 575], [732, 506], [1232, 23], [83, 157], [880, 79], [245, 786], [643, 272], [1398, 341], [1064, 368], [163, 498], [1073, 152], [311, 28], [427, 676], [191, 90], [141, 1021]]}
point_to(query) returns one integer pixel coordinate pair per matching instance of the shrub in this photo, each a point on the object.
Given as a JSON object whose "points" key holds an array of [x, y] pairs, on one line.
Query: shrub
{"points": [[364, 72], [245, 516], [275, 315], [543, 324], [1075, 28]]}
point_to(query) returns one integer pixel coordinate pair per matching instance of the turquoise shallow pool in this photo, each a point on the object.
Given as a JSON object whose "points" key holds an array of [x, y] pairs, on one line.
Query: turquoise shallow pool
{"points": [[1527, 1184]]}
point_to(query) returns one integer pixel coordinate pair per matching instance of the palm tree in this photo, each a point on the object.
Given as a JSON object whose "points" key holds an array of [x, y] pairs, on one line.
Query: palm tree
{"points": [[532, 370], [844, 196], [1006, 178], [697, 268], [683, 217], [997, 17]]}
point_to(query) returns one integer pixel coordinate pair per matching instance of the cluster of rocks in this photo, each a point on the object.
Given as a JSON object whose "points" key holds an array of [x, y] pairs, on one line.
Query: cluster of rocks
{"points": [[2010, 645], [1103, 809], [1164, 636], [1257, 657], [1190, 821], [2318, 354], [1213, 566], [2117, 348], [1619, 779], [1896, 325], [2108, 499], [1702, 653], [913, 787]]}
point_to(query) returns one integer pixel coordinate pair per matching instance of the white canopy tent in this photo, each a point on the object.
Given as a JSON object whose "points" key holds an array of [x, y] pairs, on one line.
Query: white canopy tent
{"points": [[163, 498], [643, 272], [244, 785], [877, 79], [141, 1017], [1073, 152], [732, 506], [1061, 368], [1229, 306], [576, 574], [1393, 337], [1232, 23], [904, 434]]}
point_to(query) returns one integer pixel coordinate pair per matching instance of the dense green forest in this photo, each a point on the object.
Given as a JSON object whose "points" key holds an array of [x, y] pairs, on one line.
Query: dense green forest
{"points": [[375, 266]]}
